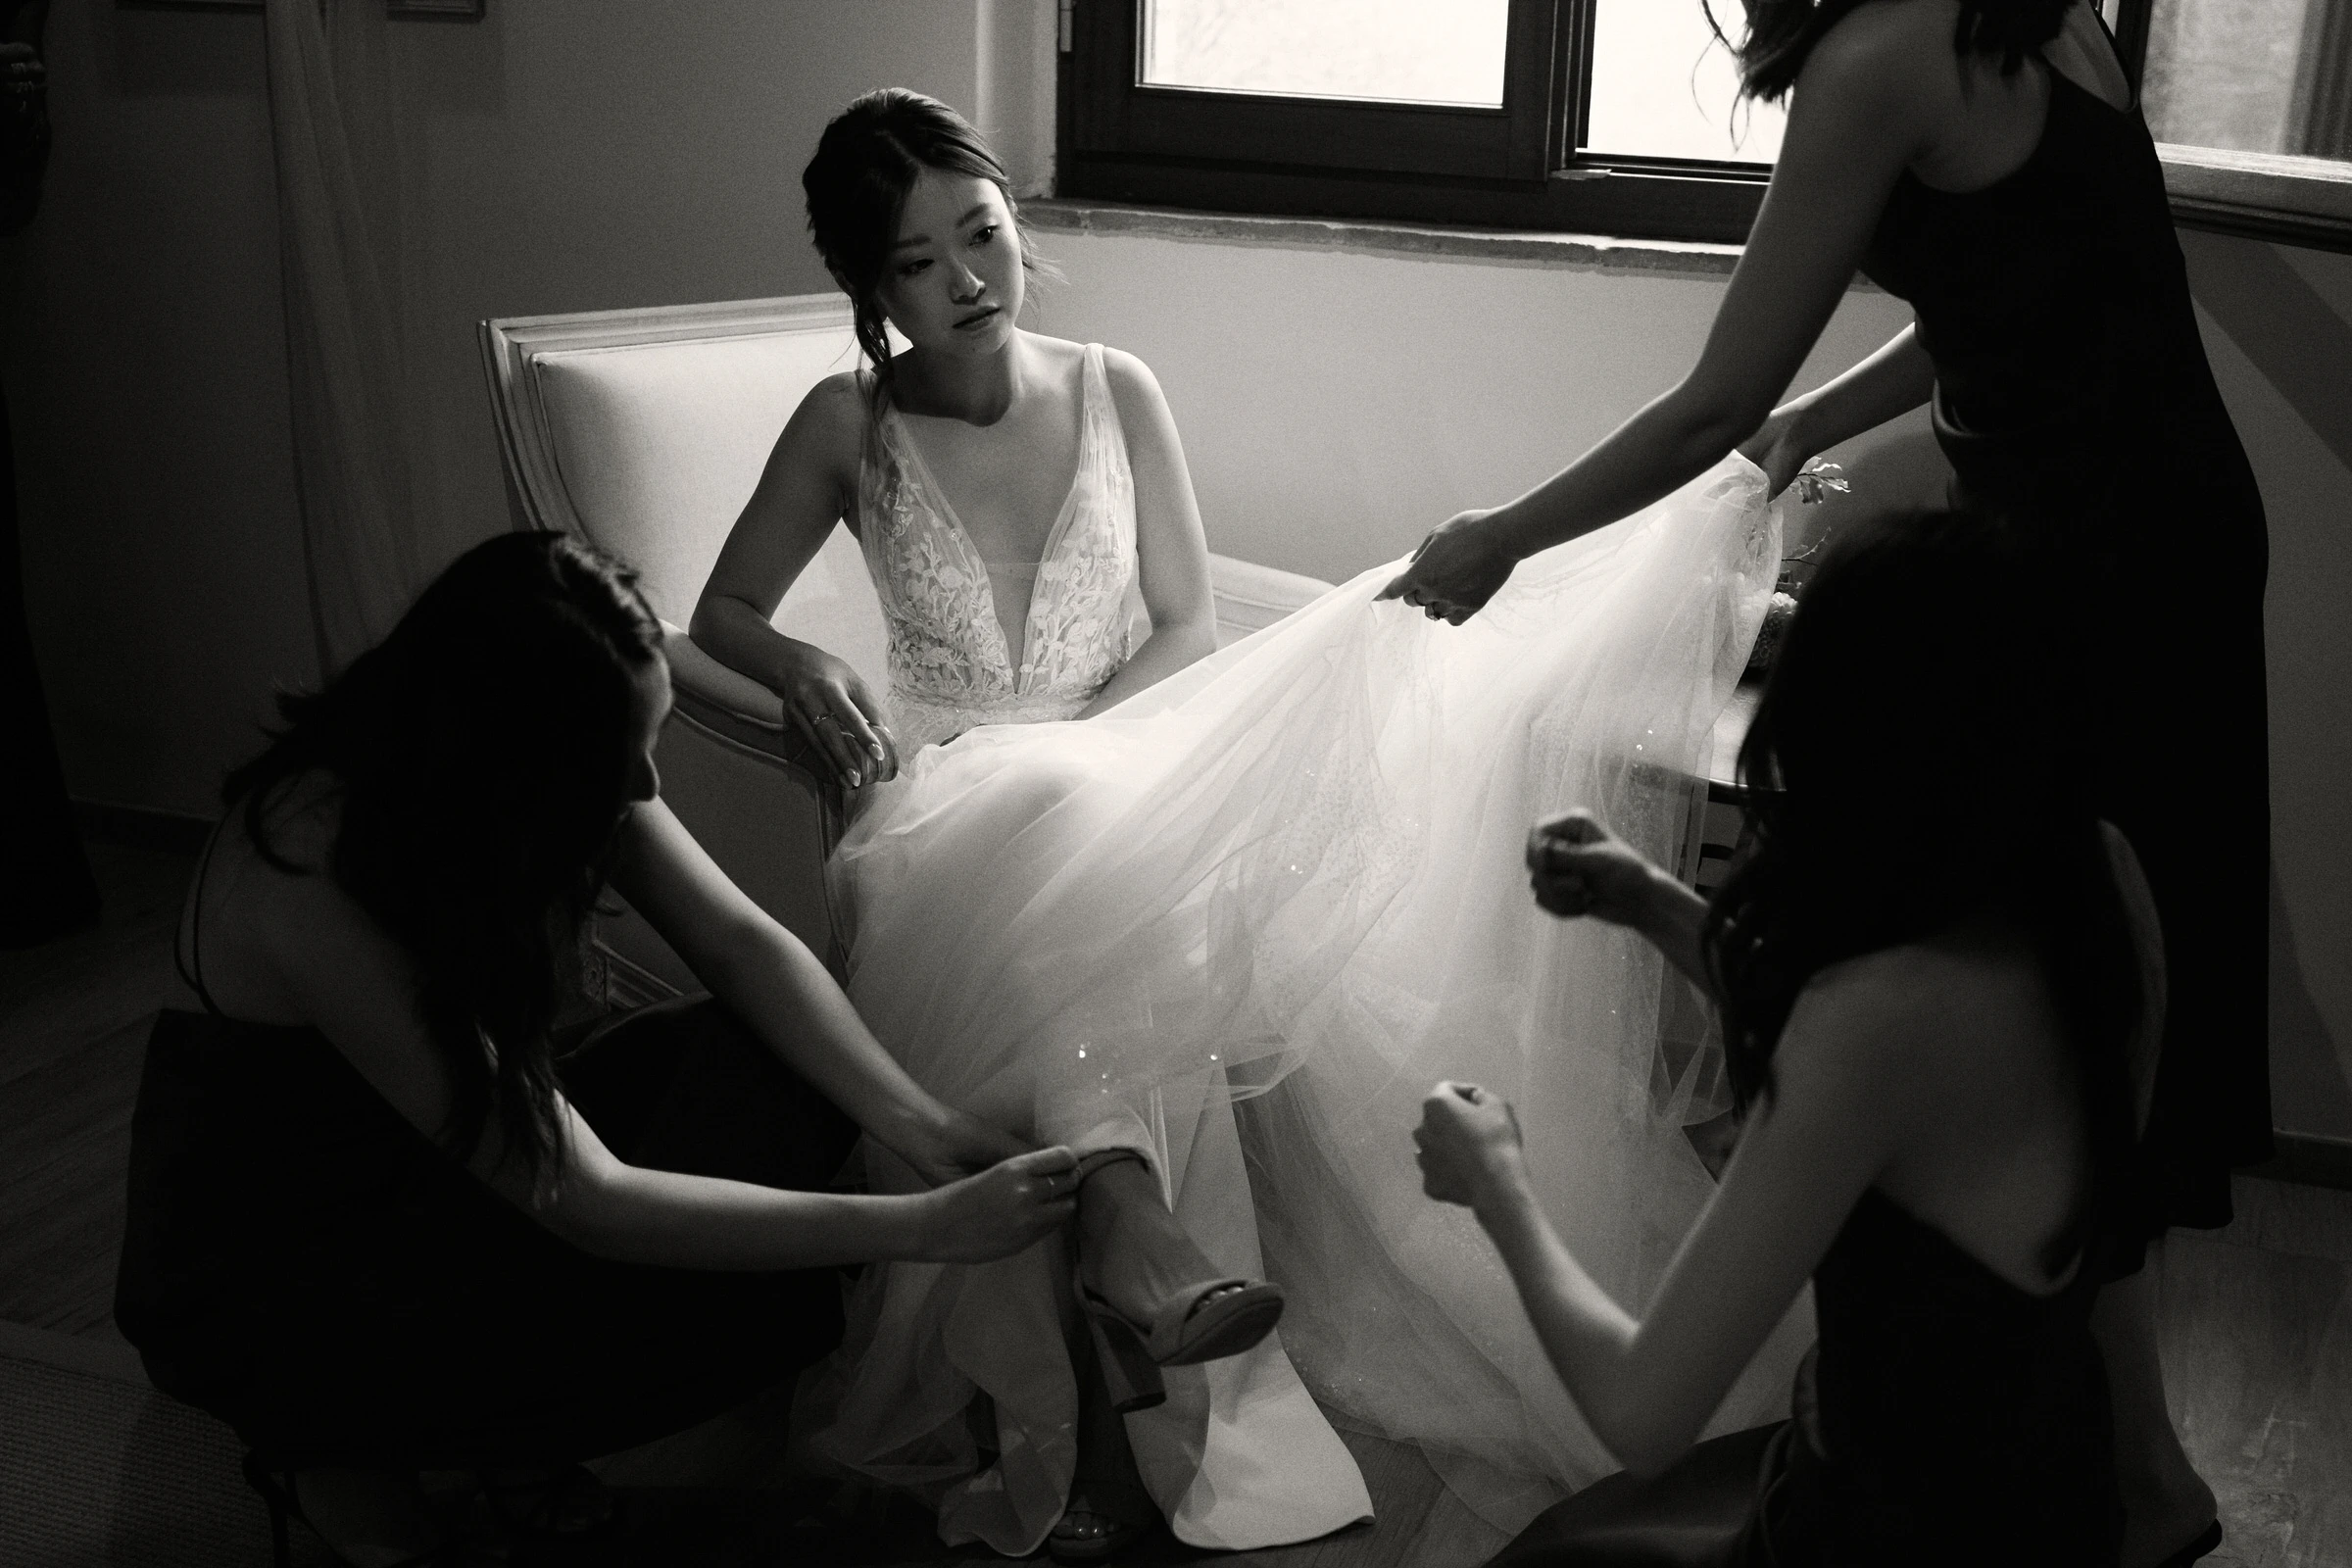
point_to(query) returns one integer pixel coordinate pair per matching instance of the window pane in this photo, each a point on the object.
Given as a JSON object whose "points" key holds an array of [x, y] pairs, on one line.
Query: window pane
{"points": [[1396, 51], [1664, 88], [2251, 75]]}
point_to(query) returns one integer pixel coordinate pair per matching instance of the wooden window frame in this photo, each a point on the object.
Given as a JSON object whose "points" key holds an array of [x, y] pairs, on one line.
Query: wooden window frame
{"points": [[1507, 167], [1516, 167]]}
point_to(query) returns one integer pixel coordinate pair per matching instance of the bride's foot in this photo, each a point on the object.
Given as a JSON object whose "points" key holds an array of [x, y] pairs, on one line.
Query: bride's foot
{"points": [[1137, 1261], [1103, 1520]]}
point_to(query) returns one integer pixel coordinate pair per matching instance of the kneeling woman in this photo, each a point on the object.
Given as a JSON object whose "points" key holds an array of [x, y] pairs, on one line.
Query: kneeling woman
{"points": [[1930, 970], [376, 1222]]}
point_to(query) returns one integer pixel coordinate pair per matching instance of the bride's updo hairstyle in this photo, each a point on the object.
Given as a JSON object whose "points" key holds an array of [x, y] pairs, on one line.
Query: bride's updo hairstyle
{"points": [[1781, 34], [866, 162], [1921, 758], [481, 757]]}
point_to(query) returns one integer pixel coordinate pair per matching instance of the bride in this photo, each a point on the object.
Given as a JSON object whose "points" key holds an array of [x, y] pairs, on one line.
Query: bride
{"points": [[1217, 936]]}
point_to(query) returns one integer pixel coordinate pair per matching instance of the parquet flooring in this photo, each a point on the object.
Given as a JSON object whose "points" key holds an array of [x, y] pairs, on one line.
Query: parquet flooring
{"points": [[2258, 1317]]}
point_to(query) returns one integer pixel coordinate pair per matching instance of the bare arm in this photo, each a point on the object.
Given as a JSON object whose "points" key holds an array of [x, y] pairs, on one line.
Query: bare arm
{"points": [[789, 998], [1647, 1385], [1172, 551], [1893, 381], [1855, 122], [328, 966], [811, 475], [1578, 867]]}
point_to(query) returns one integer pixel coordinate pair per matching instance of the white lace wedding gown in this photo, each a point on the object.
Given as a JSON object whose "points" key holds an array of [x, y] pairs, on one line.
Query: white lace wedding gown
{"points": [[1290, 871]]}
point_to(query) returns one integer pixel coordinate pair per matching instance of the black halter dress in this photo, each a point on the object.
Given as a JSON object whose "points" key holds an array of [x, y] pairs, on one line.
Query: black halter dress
{"points": [[2072, 391]]}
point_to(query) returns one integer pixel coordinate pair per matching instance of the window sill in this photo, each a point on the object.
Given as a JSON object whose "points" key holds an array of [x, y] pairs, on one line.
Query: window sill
{"points": [[2292, 201], [1374, 237]]}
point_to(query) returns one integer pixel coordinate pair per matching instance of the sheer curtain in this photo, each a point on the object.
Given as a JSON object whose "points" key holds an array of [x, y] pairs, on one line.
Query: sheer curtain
{"points": [[330, 110]]}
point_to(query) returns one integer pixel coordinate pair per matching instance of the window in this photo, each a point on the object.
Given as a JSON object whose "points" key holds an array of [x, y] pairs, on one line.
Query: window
{"points": [[1610, 116], [1619, 117], [2251, 103]]}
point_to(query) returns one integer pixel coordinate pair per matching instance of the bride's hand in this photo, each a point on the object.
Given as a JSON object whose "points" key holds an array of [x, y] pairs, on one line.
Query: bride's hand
{"points": [[1470, 1145], [828, 703], [952, 1144], [1457, 570], [1777, 448], [1579, 867]]}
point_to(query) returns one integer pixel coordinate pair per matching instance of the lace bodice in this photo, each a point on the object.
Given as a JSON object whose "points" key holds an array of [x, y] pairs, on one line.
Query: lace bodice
{"points": [[951, 664]]}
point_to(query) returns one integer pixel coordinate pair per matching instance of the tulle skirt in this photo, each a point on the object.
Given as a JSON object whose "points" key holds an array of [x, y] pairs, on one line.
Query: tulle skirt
{"points": [[1248, 918]]}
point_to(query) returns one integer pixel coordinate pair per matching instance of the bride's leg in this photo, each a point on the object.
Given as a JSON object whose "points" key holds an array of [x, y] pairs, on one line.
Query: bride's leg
{"points": [[1131, 1251]]}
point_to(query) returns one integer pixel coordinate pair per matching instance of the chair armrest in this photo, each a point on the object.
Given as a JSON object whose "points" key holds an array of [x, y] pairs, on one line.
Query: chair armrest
{"points": [[714, 687], [744, 716]]}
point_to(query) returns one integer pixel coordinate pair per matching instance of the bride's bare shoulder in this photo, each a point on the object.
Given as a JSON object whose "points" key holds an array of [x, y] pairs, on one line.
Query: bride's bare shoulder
{"points": [[826, 433], [838, 406]]}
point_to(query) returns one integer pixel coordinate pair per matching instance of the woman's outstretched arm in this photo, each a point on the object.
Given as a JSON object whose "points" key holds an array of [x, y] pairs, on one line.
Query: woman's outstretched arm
{"points": [[323, 962], [1171, 551], [1578, 867], [1647, 1385], [809, 483], [1894, 380], [790, 999], [1858, 116]]}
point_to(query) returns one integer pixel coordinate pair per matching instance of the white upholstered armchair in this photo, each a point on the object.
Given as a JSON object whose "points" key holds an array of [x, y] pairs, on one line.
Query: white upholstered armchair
{"points": [[644, 431]]}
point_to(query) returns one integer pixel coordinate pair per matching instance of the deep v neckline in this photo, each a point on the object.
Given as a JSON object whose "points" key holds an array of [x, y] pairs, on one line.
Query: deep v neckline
{"points": [[1015, 662]]}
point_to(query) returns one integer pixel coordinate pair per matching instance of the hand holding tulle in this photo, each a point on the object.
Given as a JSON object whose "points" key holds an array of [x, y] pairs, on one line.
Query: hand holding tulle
{"points": [[1469, 1142], [1579, 867], [1456, 570]]}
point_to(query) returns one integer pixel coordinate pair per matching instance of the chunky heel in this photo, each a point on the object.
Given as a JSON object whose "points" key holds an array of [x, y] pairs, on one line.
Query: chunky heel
{"points": [[1129, 1374]]}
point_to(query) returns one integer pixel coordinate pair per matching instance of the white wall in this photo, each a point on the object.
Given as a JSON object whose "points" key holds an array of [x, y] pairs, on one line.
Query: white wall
{"points": [[561, 156], [1337, 405]]}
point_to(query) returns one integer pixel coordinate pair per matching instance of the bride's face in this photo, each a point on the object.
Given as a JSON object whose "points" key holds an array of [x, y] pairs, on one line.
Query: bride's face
{"points": [[953, 280]]}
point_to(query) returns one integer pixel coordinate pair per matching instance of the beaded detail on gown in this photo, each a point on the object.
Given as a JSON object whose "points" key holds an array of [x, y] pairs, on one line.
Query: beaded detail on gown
{"points": [[952, 665]]}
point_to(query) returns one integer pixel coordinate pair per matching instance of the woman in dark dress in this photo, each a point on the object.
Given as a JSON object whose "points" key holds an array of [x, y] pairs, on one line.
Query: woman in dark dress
{"points": [[1986, 162], [376, 1222], [1934, 1050]]}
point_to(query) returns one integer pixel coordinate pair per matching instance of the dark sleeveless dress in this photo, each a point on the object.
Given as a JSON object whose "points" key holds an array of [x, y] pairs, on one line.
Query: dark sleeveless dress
{"points": [[1945, 1417], [303, 1264], [2072, 391]]}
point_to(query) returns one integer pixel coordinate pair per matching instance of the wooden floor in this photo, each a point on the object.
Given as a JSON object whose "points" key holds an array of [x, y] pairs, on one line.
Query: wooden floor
{"points": [[2258, 1317]]}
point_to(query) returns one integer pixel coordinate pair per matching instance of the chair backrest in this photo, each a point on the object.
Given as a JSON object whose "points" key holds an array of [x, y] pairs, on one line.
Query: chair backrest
{"points": [[645, 431]]}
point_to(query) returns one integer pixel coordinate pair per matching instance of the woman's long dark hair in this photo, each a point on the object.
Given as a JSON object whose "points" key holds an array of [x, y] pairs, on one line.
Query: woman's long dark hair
{"points": [[1781, 34], [866, 162], [1921, 757], [481, 755]]}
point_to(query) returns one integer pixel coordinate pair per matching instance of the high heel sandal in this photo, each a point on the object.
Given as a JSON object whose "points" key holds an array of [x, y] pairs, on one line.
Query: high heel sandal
{"points": [[1215, 1319]]}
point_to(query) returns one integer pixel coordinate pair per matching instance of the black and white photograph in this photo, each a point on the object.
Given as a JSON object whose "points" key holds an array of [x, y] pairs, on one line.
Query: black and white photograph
{"points": [[1280, 783]]}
